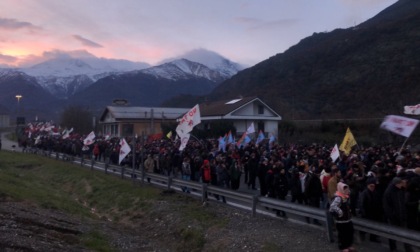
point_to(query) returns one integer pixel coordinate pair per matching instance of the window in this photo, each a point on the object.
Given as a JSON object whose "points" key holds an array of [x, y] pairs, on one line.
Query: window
{"points": [[260, 109]]}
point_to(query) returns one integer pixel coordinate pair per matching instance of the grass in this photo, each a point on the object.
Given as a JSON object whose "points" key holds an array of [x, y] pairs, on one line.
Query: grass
{"points": [[53, 184]]}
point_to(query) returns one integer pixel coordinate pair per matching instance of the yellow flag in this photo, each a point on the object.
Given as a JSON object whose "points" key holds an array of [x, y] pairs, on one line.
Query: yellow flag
{"points": [[169, 135], [348, 142]]}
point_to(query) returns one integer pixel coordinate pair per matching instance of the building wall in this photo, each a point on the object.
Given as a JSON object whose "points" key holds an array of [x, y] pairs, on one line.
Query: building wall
{"points": [[4, 121]]}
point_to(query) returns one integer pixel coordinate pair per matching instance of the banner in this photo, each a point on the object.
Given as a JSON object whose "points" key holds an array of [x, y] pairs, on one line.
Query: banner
{"points": [[124, 150], [335, 153], [348, 142], [89, 139], [412, 110], [189, 120], [399, 125]]}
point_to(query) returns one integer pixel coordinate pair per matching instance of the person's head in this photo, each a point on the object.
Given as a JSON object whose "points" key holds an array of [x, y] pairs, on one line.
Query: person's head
{"points": [[399, 182], [371, 184], [336, 172], [343, 188]]}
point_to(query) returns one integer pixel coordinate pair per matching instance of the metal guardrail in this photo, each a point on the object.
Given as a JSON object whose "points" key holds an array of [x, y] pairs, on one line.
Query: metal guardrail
{"points": [[399, 234]]}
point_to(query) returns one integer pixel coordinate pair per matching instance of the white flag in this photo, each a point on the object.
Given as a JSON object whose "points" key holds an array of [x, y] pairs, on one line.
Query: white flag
{"points": [[412, 110], [188, 121], [124, 150], [251, 129], [89, 139], [67, 133], [184, 141], [335, 153], [399, 125]]}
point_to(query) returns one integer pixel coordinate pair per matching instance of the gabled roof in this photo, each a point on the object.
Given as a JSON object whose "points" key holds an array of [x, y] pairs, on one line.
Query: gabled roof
{"points": [[125, 113], [226, 107]]}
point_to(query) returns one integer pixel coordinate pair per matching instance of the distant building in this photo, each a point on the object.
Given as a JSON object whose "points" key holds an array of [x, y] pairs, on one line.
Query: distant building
{"points": [[121, 121], [124, 120], [4, 117], [242, 112]]}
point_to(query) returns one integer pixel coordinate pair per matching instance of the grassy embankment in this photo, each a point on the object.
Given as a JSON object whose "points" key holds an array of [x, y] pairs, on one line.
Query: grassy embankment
{"points": [[53, 184]]}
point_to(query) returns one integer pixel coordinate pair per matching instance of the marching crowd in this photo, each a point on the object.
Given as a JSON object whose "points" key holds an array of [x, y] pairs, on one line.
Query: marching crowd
{"points": [[379, 183]]}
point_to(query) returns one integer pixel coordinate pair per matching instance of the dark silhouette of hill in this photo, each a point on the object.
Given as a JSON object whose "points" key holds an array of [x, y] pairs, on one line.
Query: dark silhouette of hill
{"points": [[35, 101], [139, 89], [366, 71]]}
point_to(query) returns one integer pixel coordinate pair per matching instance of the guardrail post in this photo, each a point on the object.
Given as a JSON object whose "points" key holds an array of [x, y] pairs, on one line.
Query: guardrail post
{"points": [[204, 193], [169, 183], [254, 205], [82, 160], [106, 164], [56, 155], [92, 162], [122, 171], [330, 223]]}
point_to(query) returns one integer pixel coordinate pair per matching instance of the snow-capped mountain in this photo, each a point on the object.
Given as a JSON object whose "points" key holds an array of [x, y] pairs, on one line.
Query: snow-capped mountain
{"points": [[212, 60], [64, 76], [183, 69]]}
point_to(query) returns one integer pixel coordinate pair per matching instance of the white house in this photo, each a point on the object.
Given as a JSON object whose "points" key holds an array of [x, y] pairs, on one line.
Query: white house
{"points": [[242, 112]]}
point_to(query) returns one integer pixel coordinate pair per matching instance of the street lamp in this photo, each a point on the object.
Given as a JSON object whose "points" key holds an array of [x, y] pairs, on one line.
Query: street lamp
{"points": [[18, 97]]}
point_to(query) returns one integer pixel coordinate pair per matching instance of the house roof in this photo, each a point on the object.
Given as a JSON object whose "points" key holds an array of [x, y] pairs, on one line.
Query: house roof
{"points": [[124, 112], [225, 107]]}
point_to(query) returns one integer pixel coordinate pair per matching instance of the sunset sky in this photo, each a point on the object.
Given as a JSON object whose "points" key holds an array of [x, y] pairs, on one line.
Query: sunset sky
{"points": [[244, 31]]}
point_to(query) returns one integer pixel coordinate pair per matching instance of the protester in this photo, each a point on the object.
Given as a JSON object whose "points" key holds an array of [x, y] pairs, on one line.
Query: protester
{"points": [[340, 209], [395, 208]]}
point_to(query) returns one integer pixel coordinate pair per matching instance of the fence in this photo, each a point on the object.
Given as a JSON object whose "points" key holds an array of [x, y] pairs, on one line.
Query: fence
{"points": [[252, 202]]}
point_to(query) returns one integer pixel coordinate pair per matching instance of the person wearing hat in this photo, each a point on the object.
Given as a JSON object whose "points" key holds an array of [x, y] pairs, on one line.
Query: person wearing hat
{"points": [[340, 209], [395, 207], [370, 205]]}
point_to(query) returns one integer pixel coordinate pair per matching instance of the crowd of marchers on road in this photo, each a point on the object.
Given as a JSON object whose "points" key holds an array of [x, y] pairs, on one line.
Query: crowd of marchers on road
{"points": [[383, 181]]}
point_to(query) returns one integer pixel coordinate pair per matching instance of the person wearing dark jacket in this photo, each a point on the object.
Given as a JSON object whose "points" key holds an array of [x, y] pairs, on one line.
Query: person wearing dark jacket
{"points": [[395, 207], [340, 209], [370, 205]]}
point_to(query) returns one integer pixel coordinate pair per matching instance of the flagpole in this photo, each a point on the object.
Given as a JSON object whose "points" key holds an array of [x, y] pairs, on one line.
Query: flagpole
{"points": [[403, 145]]}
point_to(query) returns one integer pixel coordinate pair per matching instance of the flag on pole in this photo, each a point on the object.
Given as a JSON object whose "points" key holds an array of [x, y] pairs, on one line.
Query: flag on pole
{"points": [[335, 153], [89, 139], [189, 120], [348, 142], [260, 137], [124, 150], [412, 110], [239, 143], [169, 135], [400, 125], [230, 138], [222, 144], [247, 139], [251, 129]]}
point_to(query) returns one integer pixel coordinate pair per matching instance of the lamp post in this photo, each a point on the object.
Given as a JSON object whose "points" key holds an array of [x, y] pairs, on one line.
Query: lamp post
{"points": [[18, 97]]}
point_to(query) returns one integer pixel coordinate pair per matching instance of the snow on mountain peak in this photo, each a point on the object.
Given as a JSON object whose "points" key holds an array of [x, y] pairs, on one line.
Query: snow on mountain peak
{"points": [[212, 60], [184, 69]]}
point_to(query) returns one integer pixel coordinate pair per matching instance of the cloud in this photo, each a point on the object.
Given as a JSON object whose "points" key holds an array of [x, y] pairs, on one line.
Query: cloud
{"points": [[7, 59], [87, 42], [31, 60], [13, 24]]}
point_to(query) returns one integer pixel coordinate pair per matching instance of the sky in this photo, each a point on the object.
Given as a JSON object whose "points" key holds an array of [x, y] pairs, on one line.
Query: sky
{"points": [[243, 31]]}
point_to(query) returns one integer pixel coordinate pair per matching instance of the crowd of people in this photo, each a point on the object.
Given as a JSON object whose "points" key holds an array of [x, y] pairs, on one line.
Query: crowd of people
{"points": [[379, 183]]}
